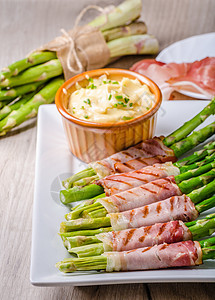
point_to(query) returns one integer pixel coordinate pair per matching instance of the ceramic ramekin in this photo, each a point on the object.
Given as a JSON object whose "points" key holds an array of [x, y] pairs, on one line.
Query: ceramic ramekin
{"points": [[91, 141]]}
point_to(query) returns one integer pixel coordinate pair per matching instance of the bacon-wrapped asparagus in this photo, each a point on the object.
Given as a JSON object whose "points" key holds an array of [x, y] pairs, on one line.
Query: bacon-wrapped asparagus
{"points": [[186, 253], [117, 183], [129, 239], [153, 147], [174, 208], [148, 193]]}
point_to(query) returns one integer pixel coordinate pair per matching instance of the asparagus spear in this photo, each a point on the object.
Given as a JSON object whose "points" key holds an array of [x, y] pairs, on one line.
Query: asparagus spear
{"points": [[193, 140], [127, 30], [33, 59], [196, 156], [189, 224], [19, 91], [30, 108], [90, 223], [202, 228], [99, 262], [127, 11], [41, 72], [208, 159], [190, 125], [93, 232]]}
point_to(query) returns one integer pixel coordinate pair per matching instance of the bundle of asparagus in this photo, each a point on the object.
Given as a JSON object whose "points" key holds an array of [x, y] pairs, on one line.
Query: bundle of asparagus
{"points": [[40, 71]]}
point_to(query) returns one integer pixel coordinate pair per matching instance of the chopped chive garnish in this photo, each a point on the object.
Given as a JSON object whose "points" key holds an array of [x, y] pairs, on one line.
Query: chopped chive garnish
{"points": [[118, 97], [121, 103], [110, 96], [131, 104], [90, 79], [126, 99], [86, 117], [147, 108], [127, 118], [115, 82], [115, 105], [104, 81], [87, 101], [82, 107], [92, 86], [109, 81]]}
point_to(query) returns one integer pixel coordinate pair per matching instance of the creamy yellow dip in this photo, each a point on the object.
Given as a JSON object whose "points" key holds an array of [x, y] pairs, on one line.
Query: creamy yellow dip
{"points": [[108, 101]]}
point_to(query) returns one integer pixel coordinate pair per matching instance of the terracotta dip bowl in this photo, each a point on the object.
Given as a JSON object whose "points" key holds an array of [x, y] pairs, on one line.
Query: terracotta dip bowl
{"points": [[91, 141]]}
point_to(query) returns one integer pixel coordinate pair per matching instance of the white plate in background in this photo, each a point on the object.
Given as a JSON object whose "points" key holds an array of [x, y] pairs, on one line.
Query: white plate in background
{"points": [[189, 50], [54, 162]]}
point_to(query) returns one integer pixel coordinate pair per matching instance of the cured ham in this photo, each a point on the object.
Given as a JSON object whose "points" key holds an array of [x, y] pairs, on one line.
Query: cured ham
{"points": [[117, 183], [147, 148], [173, 208], [141, 162], [159, 233], [151, 192], [198, 76], [186, 253]]}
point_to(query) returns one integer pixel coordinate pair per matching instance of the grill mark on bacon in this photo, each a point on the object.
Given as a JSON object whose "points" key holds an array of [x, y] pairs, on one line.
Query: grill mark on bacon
{"points": [[158, 208], [119, 197], [146, 231], [171, 202], [159, 185], [126, 153], [131, 192], [145, 211], [162, 228], [164, 246], [129, 236], [146, 249], [137, 178], [118, 180], [148, 190]]}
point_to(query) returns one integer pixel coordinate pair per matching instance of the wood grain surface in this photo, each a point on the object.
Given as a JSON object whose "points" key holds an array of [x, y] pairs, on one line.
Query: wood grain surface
{"points": [[25, 25]]}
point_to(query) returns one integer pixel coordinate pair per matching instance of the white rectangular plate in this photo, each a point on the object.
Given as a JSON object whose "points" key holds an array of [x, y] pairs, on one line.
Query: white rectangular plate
{"points": [[54, 162]]}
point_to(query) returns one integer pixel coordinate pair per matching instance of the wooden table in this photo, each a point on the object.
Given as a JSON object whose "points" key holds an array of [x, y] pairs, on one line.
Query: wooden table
{"points": [[25, 25]]}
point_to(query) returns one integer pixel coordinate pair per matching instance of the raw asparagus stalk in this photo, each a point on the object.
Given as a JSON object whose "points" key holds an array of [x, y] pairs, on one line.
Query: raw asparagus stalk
{"points": [[19, 91], [203, 192], [30, 108], [86, 180], [189, 224], [127, 11], [99, 262], [193, 140], [92, 232], [88, 250], [208, 159], [189, 126], [80, 193], [206, 204], [31, 60], [203, 228], [187, 186], [127, 30], [41, 72], [82, 174], [3, 103], [196, 156], [208, 242], [77, 241]]}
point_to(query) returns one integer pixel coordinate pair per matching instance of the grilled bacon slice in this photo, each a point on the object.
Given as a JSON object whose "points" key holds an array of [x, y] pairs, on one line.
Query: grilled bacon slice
{"points": [[147, 148], [159, 233], [117, 183], [186, 253], [174, 208], [151, 192]]}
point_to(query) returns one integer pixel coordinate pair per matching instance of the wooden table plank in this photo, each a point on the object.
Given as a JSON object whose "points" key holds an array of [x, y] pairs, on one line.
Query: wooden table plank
{"points": [[24, 26]]}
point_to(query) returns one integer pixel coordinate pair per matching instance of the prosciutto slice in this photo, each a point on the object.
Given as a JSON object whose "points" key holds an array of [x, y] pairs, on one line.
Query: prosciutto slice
{"points": [[174, 208], [186, 253], [159, 233], [147, 148], [151, 192], [198, 76], [117, 183], [141, 162]]}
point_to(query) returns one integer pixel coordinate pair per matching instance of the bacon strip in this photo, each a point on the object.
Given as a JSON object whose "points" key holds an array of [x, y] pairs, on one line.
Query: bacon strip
{"points": [[117, 183], [147, 148], [186, 253], [174, 208], [159, 233], [141, 162], [154, 191]]}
